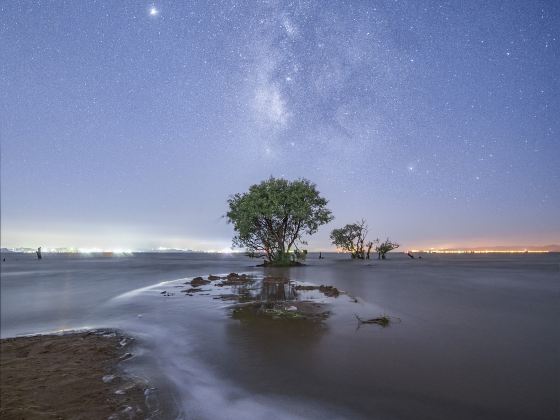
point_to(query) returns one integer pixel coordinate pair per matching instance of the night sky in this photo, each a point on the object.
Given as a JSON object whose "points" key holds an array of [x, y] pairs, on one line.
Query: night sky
{"points": [[128, 124]]}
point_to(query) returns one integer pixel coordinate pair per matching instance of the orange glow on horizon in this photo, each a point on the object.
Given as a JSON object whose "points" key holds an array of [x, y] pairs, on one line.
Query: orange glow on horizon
{"points": [[480, 251]]}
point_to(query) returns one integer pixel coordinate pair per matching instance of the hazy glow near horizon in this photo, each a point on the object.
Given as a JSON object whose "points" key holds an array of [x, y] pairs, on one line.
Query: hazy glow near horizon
{"points": [[127, 126]]}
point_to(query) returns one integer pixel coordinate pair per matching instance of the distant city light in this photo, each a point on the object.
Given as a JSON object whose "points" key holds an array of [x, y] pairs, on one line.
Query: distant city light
{"points": [[480, 251]]}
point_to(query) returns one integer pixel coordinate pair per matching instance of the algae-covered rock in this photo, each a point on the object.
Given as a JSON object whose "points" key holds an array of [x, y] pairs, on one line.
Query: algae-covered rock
{"points": [[198, 281]]}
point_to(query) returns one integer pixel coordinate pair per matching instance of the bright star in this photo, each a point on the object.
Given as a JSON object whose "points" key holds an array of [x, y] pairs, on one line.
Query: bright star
{"points": [[154, 11]]}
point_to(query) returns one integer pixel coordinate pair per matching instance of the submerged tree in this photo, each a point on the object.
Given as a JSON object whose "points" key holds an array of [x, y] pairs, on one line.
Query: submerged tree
{"points": [[385, 247], [351, 238], [369, 246], [272, 217]]}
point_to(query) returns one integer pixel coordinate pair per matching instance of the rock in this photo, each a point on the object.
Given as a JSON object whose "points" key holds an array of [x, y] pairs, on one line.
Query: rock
{"points": [[234, 279], [291, 308], [212, 278], [199, 281], [329, 291]]}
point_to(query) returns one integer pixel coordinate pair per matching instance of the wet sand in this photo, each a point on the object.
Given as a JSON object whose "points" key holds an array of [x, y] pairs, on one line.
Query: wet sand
{"points": [[74, 375]]}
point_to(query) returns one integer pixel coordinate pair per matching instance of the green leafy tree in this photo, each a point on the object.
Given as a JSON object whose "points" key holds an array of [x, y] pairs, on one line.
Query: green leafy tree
{"points": [[385, 247], [299, 255], [352, 238], [271, 219]]}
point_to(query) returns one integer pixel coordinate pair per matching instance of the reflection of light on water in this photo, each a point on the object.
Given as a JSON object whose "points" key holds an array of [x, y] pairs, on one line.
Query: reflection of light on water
{"points": [[141, 290]]}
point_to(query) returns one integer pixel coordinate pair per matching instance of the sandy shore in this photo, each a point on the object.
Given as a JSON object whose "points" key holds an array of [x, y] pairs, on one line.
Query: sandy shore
{"points": [[68, 376]]}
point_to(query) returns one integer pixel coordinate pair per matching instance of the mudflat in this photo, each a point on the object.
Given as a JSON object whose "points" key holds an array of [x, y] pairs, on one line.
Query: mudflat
{"points": [[68, 376]]}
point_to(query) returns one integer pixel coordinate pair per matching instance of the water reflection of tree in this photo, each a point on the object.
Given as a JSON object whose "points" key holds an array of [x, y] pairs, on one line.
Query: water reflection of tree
{"points": [[266, 291], [272, 291], [260, 347], [256, 341]]}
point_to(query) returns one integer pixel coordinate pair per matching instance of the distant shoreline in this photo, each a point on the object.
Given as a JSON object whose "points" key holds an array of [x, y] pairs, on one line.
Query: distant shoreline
{"points": [[528, 250]]}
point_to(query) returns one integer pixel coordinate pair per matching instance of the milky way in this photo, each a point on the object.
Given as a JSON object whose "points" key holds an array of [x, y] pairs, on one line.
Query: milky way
{"points": [[129, 123]]}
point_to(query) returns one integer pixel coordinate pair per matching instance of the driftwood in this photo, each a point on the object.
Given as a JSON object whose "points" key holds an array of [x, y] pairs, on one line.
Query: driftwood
{"points": [[382, 320]]}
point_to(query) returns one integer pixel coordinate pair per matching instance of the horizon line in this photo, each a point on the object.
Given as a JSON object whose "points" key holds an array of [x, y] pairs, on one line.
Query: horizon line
{"points": [[436, 250]]}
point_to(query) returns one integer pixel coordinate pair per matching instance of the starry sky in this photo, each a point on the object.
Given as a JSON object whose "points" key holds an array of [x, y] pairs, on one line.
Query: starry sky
{"points": [[128, 124]]}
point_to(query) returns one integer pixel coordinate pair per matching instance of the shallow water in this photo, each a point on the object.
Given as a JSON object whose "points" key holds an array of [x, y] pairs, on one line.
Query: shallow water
{"points": [[477, 337]]}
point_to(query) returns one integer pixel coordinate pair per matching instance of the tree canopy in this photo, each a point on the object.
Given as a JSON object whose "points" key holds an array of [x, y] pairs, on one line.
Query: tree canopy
{"points": [[271, 219], [385, 247], [351, 238]]}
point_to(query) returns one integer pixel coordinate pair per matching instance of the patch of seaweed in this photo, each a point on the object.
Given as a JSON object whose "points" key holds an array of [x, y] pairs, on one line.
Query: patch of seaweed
{"points": [[234, 279], [280, 311], [303, 287], [329, 291]]}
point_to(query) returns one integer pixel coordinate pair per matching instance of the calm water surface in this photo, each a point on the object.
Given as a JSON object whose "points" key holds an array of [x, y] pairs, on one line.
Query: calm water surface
{"points": [[478, 336]]}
